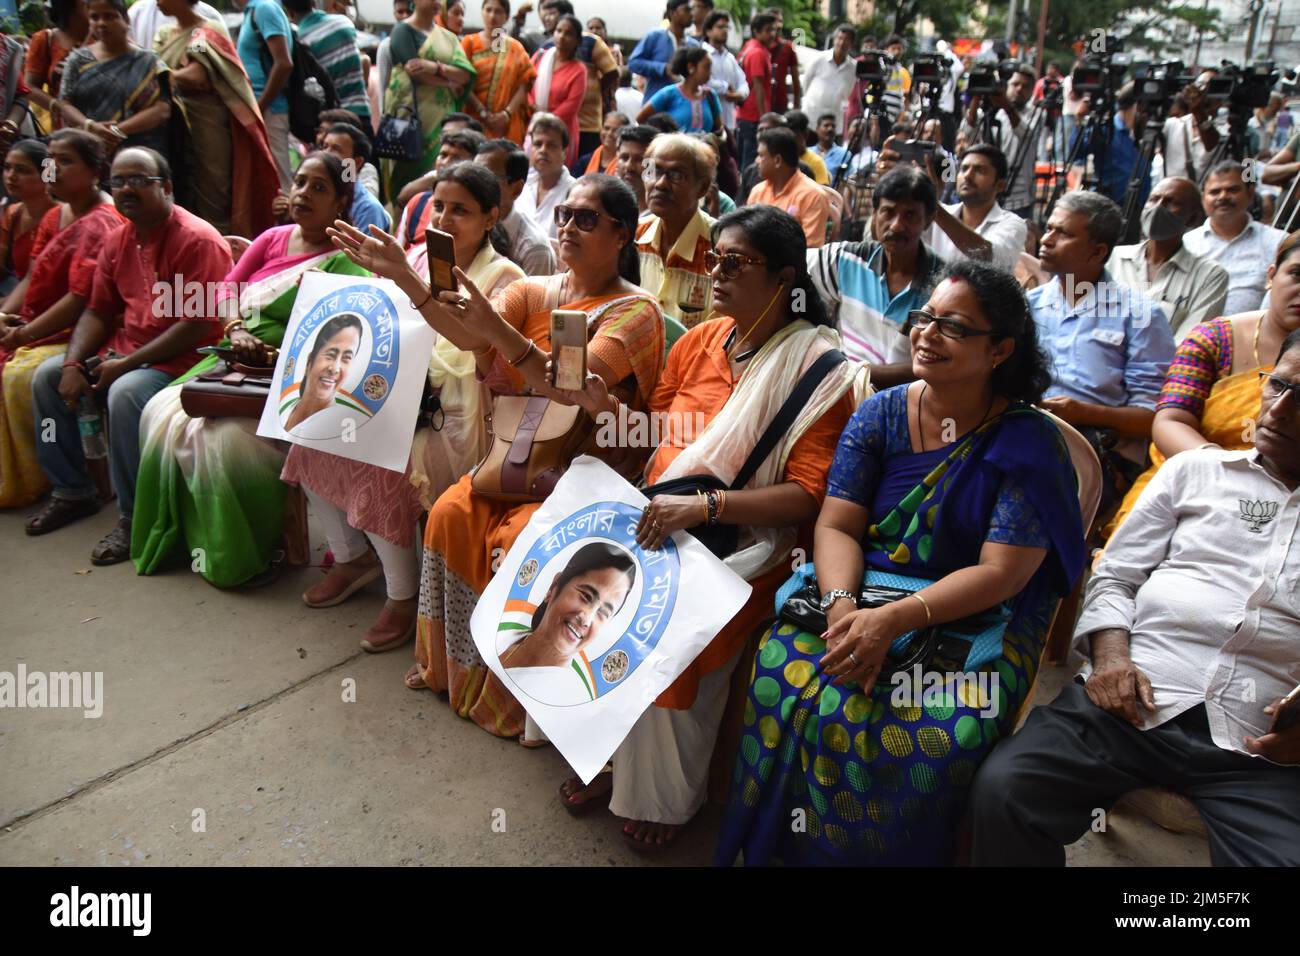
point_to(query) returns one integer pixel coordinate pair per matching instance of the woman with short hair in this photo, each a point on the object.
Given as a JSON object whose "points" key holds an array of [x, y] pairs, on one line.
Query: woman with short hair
{"points": [[954, 479]]}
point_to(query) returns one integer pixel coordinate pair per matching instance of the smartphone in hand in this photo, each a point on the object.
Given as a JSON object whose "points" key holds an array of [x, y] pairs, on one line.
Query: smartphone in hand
{"points": [[1287, 713], [568, 348], [442, 259]]}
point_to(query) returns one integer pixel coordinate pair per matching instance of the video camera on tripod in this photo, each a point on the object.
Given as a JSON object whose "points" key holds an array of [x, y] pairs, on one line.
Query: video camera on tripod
{"points": [[1157, 84], [985, 79], [874, 67], [1244, 89]]}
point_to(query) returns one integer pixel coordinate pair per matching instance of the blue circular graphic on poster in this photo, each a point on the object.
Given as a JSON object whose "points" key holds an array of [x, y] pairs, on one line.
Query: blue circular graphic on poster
{"points": [[586, 606], [341, 363]]}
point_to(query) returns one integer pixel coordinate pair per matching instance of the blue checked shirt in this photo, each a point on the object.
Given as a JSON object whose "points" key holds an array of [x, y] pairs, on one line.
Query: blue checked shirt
{"points": [[652, 56]]}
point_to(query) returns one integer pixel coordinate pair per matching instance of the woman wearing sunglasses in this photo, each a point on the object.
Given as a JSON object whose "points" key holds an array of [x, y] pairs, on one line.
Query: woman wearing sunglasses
{"points": [[509, 338], [733, 371], [954, 479], [1213, 381]]}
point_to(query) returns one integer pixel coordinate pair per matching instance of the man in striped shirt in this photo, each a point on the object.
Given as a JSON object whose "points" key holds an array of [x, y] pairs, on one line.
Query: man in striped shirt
{"points": [[874, 284], [674, 236], [332, 39]]}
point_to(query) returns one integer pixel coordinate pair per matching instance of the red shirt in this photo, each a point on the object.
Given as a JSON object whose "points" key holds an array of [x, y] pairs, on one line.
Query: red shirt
{"points": [[137, 285], [757, 64], [784, 65]]}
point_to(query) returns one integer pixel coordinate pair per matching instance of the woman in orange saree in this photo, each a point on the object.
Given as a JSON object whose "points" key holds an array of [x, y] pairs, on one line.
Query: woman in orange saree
{"points": [[467, 533], [227, 135], [1211, 394], [499, 99]]}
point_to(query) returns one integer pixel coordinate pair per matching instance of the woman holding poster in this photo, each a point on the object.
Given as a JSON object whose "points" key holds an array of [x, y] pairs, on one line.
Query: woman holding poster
{"points": [[737, 371], [467, 532], [358, 502], [210, 486], [955, 479]]}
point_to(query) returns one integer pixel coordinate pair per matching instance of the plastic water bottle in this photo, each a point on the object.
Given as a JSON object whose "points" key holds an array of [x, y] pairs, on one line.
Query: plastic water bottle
{"points": [[90, 423], [311, 87]]}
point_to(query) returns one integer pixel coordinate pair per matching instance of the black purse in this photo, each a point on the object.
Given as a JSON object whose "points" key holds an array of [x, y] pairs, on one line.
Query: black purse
{"points": [[401, 138], [722, 539], [950, 643]]}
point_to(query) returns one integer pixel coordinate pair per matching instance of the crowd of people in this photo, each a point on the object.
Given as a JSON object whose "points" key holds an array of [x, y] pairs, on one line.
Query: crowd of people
{"points": [[1013, 394]]}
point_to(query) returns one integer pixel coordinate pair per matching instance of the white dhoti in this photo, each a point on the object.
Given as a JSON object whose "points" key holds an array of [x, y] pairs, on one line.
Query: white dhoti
{"points": [[661, 770]]}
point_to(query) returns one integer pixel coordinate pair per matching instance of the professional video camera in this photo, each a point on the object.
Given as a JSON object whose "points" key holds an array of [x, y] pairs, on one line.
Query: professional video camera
{"points": [[929, 68], [986, 78], [874, 66], [1158, 83], [1101, 74], [1244, 87]]}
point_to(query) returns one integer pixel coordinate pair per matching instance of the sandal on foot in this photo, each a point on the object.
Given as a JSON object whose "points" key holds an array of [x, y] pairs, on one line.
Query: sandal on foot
{"points": [[594, 802], [339, 585], [59, 512], [114, 547], [414, 680], [390, 631]]}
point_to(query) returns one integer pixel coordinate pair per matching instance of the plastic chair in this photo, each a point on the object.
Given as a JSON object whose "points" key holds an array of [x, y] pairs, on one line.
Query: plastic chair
{"points": [[836, 217], [673, 330]]}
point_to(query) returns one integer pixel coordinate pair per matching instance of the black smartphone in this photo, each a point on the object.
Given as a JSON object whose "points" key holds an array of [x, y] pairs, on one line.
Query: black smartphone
{"points": [[442, 259], [916, 151]]}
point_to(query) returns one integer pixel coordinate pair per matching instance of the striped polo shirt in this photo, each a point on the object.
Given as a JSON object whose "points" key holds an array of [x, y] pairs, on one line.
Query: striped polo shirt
{"points": [[681, 283], [333, 41], [851, 278]]}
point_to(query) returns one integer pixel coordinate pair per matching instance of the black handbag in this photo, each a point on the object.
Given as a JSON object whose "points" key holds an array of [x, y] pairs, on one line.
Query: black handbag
{"points": [[401, 138], [722, 539], [949, 642]]}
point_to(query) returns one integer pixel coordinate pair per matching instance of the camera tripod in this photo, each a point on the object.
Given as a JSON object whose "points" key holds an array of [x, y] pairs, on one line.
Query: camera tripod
{"points": [[1045, 114]]}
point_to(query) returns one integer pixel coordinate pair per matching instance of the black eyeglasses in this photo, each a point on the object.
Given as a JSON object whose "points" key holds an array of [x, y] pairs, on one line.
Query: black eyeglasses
{"points": [[948, 328], [1275, 387], [651, 172], [135, 182], [732, 262], [584, 219]]}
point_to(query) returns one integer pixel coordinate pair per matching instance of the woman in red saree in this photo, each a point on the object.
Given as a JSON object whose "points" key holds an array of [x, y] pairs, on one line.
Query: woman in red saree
{"points": [[504, 75], [562, 80], [227, 135]]}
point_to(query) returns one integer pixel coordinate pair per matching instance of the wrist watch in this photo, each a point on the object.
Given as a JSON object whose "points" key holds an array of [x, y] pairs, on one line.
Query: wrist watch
{"points": [[834, 594]]}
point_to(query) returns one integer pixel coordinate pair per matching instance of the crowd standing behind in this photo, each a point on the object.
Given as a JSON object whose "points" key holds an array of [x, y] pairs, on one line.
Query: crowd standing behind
{"points": [[1004, 384]]}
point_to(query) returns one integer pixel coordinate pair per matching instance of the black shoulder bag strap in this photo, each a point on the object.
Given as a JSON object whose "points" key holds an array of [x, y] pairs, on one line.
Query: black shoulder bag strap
{"points": [[786, 415]]}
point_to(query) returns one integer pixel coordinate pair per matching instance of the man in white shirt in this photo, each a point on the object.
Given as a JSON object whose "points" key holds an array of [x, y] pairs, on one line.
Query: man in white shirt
{"points": [[549, 181], [1190, 139], [726, 78], [976, 226], [1011, 114], [529, 247], [1241, 245], [1189, 288], [830, 77], [1190, 628], [146, 19]]}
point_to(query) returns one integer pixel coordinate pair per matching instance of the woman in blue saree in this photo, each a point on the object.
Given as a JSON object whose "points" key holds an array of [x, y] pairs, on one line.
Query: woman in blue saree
{"points": [[954, 479]]}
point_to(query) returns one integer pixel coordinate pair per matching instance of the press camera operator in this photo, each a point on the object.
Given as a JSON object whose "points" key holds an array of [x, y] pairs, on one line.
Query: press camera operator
{"points": [[1190, 139], [1007, 127]]}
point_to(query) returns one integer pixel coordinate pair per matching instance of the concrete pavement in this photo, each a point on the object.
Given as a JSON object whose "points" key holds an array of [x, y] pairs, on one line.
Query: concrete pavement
{"points": [[226, 737]]}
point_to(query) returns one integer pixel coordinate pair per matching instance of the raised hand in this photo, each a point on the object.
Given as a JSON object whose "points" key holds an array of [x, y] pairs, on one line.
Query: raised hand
{"points": [[377, 252]]}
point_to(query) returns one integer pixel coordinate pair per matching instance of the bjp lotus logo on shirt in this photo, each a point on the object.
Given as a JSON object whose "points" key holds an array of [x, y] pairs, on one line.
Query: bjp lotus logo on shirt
{"points": [[1256, 514]]}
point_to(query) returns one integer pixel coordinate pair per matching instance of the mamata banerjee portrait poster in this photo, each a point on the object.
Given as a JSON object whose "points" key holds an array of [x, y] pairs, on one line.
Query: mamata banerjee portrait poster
{"points": [[585, 627], [350, 371]]}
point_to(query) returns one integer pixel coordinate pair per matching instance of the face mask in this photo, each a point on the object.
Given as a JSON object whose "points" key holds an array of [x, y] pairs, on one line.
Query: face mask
{"points": [[1160, 224]]}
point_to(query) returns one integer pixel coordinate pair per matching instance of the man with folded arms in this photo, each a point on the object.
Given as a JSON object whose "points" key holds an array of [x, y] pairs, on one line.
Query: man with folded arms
{"points": [[1110, 347], [131, 327], [1189, 628], [1191, 289], [674, 237]]}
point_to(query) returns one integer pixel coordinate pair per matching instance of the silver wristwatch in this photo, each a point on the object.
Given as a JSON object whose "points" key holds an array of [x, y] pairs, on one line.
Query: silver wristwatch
{"points": [[834, 594]]}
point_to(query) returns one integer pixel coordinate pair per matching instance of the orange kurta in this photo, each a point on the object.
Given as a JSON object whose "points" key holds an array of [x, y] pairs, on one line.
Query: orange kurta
{"points": [[467, 534], [699, 379]]}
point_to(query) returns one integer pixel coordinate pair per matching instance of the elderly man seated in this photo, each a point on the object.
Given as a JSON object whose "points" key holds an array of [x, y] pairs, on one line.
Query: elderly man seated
{"points": [[674, 237], [1190, 625]]}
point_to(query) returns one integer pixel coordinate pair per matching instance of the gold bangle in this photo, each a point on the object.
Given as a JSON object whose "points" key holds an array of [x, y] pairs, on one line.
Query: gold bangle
{"points": [[928, 619], [232, 326], [524, 358]]}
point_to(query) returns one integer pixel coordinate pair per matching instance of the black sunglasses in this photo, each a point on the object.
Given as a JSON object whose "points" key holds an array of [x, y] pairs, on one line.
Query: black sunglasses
{"points": [[584, 219], [948, 328], [135, 182]]}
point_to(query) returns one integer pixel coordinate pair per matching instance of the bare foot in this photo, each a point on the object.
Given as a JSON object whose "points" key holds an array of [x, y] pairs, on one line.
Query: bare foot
{"points": [[645, 833], [576, 797]]}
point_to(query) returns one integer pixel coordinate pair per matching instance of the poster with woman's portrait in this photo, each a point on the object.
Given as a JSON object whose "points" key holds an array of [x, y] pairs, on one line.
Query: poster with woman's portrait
{"points": [[585, 627], [351, 370]]}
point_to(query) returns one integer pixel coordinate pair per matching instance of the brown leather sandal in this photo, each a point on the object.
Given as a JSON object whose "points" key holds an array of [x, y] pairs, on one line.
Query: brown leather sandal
{"points": [[59, 512]]}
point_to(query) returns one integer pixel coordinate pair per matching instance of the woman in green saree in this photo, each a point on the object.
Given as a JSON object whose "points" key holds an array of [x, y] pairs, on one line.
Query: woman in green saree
{"points": [[430, 76], [209, 489]]}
